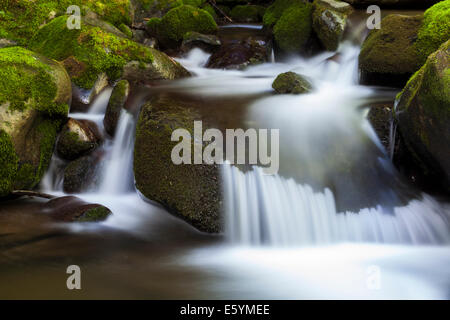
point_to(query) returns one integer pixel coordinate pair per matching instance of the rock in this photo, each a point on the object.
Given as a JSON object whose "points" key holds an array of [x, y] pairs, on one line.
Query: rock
{"points": [[78, 138], [329, 21], [81, 175], [190, 191], [434, 31], [247, 13], [380, 117], [409, 4], [116, 103], [274, 12], [34, 100], [177, 22], [139, 35], [150, 42], [293, 30], [388, 55], [206, 42], [423, 115], [4, 43], [126, 30], [93, 52], [239, 55], [73, 209], [153, 8], [291, 82]]}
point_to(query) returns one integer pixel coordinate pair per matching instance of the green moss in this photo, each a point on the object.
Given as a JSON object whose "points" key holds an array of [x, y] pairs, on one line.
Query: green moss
{"points": [[153, 26], [95, 50], [183, 19], [435, 29], [247, 13], [210, 9], [47, 130], [8, 164], [126, 30], [294, 28], [27, 82], [194, 3], [160, 5], [276, 10], [99, 213]]}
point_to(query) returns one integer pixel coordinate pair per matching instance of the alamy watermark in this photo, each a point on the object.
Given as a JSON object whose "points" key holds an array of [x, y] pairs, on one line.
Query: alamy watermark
{"points": [[74, 280], [74, 20], [374, 21], [242, 147]]}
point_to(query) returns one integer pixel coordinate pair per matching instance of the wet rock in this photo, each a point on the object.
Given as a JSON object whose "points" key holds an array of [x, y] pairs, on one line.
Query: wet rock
{"points": [[423, 115], [247, 13], [207, 42], [190, 191], [388, 56], [116, 103], [78, 138], [81, 175], [73, 209], [329, 21], [380, 117], [239, 55], [291, 82], [150, 42], [34, 100]]}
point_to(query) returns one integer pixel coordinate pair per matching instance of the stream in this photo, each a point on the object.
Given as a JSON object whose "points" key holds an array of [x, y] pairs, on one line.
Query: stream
{"points": [[335, 217]]}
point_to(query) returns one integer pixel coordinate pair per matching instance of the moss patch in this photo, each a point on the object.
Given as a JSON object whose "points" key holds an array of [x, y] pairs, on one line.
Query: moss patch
{"points": [[99, 51], [99, 213], [291, 82], [435, 29], [27, 82], [276, 10], [248, 13], [293, 29]]}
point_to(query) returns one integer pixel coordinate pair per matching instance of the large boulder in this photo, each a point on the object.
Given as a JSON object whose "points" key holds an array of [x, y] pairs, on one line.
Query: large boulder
{"points": [[78, 138], [388, 55], [291, 82], [435, 29], [423, 115], [170, 29], [90, 53], [34, 99], [329, 21], [276, 10], [190, 191]]}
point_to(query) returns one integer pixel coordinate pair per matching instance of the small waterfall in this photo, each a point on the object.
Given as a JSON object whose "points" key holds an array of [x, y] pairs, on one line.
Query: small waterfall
{"points": [[117, 172], [271, 210]]}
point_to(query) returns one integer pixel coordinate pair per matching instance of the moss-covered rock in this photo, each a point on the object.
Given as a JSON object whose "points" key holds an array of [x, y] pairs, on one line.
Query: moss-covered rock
{"points": [[293, 29], [190, 191], [180, 20], [77, 138], [388, 55], [93, 51], [35, 97], [291, 82], [81, 175], [276, 10], [329, 21], [435, 29], [423, 115], [21, 19], [116, 103], [247, 13]]}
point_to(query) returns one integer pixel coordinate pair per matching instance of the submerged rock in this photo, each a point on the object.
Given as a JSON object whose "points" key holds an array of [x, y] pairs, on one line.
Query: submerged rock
{"points": [[190, 191], [73, 209], [423, 115], [291, 82], [239, 55], [329, 21], [116, 103], [388, 55], [34, 100], [78, 138]]}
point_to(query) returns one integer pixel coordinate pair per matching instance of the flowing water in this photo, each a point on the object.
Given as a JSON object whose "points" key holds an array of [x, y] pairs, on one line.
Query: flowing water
{"points": [[335, 215]]}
